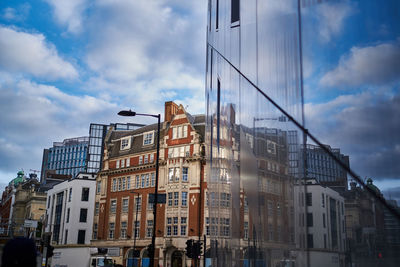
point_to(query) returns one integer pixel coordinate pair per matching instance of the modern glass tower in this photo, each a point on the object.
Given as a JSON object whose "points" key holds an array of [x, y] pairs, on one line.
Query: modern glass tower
{"points": [[265, 60]]}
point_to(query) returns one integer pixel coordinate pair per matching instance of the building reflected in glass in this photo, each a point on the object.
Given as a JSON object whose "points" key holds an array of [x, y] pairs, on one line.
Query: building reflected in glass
{"points": [[271, 67]]}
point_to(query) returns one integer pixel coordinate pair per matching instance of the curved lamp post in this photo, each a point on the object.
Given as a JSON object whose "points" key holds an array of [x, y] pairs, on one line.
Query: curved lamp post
{"points": [[130, 113]]}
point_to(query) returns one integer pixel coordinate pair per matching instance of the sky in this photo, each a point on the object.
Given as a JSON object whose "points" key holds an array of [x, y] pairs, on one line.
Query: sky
{"points": [[66, 64]]}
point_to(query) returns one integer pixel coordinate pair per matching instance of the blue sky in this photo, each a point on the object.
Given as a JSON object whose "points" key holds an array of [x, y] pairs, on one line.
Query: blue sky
{"points": [[64, 64]]}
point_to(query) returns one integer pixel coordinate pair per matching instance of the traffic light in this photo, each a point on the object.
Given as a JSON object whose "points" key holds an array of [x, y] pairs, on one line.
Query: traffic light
{"points": [[189, 248], [197, 249], [50, 251]]}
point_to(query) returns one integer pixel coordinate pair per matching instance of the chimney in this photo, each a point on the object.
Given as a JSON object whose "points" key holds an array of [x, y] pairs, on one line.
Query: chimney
{"points": [[170, 110]]}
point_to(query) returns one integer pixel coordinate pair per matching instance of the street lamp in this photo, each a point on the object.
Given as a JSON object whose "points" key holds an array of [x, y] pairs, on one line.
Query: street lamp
{"points": [[130, 113]]}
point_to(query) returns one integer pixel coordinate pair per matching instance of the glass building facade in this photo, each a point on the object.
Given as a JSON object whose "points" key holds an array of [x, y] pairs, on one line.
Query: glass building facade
{"points": [[68, 157], [267, 61]]}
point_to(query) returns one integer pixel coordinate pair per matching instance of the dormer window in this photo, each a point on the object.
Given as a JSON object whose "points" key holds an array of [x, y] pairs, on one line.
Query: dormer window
{"points": [[125, 143], [148, 138]]}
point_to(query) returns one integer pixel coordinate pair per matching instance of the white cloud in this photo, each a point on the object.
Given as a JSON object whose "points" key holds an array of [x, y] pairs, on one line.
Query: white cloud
{"points": [[145, 48], [331, 17], [38, 115], [18, 13], [69, 13], [30, 53], [364, 126], [376, 65]]}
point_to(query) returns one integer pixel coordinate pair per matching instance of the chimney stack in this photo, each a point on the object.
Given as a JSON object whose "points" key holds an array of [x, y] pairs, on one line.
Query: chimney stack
{"points": [[170, 110]]}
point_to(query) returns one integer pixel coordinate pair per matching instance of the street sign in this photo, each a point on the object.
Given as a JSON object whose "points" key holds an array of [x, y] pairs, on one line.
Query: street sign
{"points": [[161, 199], [30, 224]]}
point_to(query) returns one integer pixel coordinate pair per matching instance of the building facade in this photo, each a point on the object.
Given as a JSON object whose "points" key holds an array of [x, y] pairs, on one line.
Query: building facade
{"points": [[253, 74], [70, 210], [322, 167], [124, 210], [67, 157], [324, 218], [22, 207]]}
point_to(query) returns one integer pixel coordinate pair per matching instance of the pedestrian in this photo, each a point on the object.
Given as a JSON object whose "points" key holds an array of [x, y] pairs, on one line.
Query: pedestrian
{"points": [[19, 252]]}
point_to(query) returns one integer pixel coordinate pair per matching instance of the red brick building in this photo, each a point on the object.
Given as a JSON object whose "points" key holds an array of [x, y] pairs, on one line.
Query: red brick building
{"points": [[128, 177]]}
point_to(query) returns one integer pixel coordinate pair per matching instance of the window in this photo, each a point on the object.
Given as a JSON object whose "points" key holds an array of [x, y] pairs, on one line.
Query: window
{"points": [[225, 200], [111, 229], [140, 160], [119, 184], [149, 229], [323, 200], [147, 180], [128, 162], [136, 229], [83, 215], [138, 203], [270, 208], [176, 198], [81, 236], [137, 181], [151, 158], [175, 230], [174, 133], [150, 206], [217, 14], [123, 183], [185, 130], [246, 230], [309, 199], [235, 10], [170, 199], [128, 182], [98, 189], [123, 229], [153, 179], [68, 213], [125, 143], [183, 230], [122, 163], [177, 175], [114, 185], [143, 178], [187, 151], [113, 206], [310, 241], [117, 164], [310, 221], [70, 195], [95, 229], [125, 205], [183, 225], [185, 171], [148, 138], [323, 220], [184, 199], [146, 159], [171, 174], [169, 230], [96, 208], [85, 194]]}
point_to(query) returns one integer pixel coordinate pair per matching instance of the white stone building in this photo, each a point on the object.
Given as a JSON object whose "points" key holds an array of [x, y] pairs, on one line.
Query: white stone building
{"points": [[70, 209], [321, 212]]}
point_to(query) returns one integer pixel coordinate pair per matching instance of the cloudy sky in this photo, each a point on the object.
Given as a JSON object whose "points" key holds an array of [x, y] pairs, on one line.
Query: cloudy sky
{"points": [[65, 64]]}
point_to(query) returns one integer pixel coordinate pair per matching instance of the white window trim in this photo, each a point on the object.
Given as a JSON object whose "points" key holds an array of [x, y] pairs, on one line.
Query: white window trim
{"points": [[128, 146], [152, 138]]}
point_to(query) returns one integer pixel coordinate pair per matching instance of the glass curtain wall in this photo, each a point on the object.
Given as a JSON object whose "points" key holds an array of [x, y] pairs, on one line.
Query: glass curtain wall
{"points": [[271, 67]]}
